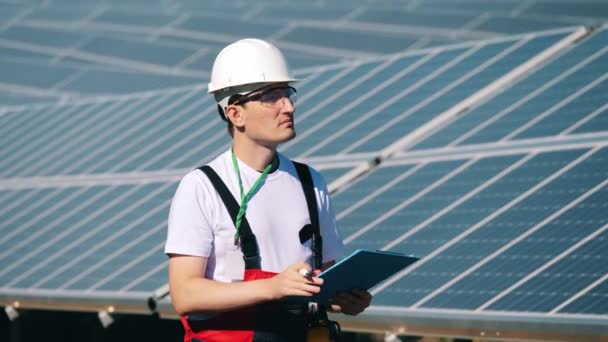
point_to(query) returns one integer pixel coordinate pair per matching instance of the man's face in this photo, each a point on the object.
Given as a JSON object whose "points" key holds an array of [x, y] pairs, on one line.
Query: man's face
{"points": [[268, 115]]}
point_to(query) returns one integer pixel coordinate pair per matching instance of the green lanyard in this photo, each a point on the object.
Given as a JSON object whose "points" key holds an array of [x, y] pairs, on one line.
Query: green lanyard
{"points": [[246, 197]]}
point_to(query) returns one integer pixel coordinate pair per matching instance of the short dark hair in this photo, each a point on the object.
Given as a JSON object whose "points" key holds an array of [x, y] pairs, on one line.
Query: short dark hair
{"points": [[229, 125]]}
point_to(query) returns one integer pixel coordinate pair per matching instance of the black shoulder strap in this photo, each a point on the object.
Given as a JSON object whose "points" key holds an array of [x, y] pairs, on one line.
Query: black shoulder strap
{"points": [[249, 244], [311, 202]]}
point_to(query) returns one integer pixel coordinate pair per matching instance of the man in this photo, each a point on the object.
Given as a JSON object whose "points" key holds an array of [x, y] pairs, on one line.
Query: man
{"points": [[246, 216]]}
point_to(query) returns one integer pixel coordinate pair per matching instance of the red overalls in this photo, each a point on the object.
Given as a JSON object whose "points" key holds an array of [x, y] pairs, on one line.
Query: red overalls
{"points": [[266, 322]]}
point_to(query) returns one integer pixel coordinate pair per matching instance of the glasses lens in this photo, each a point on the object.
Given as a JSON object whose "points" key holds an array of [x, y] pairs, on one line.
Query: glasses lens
{"points": [[274, 97]]}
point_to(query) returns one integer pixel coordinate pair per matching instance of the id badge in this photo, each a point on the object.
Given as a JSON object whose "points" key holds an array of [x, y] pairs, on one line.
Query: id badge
{"points": [[235, 265]]}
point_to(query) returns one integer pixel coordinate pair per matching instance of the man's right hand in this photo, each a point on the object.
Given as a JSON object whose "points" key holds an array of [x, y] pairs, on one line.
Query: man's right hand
{"points": [[291, 282]]}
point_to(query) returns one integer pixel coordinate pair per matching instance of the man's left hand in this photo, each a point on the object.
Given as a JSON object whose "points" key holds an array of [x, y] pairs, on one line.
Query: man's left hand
{"points": [[352, 303]]}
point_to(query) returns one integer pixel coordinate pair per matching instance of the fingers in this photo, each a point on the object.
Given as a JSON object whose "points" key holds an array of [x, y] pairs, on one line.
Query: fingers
{"points": [[296, 280], [352, 303], [305, 271]]}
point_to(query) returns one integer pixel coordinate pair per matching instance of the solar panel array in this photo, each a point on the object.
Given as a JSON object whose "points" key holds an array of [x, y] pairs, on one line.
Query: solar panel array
{"points": [[485, 158]]}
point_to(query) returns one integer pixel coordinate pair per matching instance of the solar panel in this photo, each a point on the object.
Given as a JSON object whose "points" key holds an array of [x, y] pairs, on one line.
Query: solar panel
{"points": [[82, 232], [473, 266], [542, 99], [486, 158], [407, 93]]}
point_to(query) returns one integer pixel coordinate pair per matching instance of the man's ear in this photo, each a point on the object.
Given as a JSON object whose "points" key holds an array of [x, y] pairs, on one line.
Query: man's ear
{"points": [[235, 115]]}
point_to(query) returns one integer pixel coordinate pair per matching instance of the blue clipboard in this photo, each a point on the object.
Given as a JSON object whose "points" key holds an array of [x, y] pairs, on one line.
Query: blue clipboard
{"points": [[363, 269]]}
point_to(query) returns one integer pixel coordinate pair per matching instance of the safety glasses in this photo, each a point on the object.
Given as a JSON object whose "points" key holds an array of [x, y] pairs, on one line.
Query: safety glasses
{"points": [[272, 97]]}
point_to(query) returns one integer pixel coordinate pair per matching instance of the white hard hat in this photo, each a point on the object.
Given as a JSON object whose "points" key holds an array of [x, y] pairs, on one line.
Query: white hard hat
{"points": [[248, 61]]}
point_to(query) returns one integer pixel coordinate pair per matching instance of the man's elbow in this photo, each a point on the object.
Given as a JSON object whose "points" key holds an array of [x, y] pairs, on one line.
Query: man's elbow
{"points": [[180, 306]]}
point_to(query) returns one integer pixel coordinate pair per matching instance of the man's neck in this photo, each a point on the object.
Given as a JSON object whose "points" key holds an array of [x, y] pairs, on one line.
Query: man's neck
{"points": [[255, 156]]}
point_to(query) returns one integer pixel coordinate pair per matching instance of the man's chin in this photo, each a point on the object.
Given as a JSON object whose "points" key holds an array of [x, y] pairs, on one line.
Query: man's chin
{"points": [[288, 136]]}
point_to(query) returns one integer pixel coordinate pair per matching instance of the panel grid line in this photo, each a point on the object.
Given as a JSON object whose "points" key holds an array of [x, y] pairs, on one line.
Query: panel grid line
{"points": [[459, 201], [385, 104], [527, 232], [409, 201], [579, 294], [556, 107], [379, 191], [480, 224], [59, 143], [126, 138], [584, 120], [88, 234], [528, 97], [431, 98], [130, 264], [537, 271]]}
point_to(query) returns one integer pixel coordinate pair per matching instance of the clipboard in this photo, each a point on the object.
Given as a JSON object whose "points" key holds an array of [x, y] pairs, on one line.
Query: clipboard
{"points": [[362, 269]]}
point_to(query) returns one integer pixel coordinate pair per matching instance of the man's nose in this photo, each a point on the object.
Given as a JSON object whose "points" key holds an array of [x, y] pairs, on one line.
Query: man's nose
{"points": [[287, 105]]}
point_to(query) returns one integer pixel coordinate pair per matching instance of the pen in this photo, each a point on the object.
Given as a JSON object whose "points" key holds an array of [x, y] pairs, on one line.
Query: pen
{"points": [[306, 273]]}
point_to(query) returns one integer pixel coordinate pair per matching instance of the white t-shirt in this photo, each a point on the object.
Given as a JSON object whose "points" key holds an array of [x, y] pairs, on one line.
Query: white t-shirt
{"points": [[199, 223]]}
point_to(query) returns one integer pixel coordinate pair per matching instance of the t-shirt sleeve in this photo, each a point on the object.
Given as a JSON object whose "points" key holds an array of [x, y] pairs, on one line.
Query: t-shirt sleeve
{"points": [[332, 242], [189, 230]]}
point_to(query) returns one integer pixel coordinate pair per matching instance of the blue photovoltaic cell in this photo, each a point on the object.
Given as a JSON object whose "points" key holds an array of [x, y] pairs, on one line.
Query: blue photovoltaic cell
{"points": [[39, 137], [137, 51], [20, 132], [517, 25], [113, 82], [577, 109], [69, 14], [336, 128], [43, 37], [148, 236], [308, 116], [361, 188], [515, 94], [239, 29], [95, 230], [138, 140], [595, 301], [591, 9], [458, 219], [463, 90], [152, 278], [349, 40], [299, 60], [168, 138], [528, 111], [108, 131], [569, 275], [331, 174], [33, 230], [598, 124], [135, 19], [439, 20], [452, 97], [524, 257], [15, 202], [404, 220], [469, 6], [140, 269], [34, 75], [279, 12], [416, 109], [20, 55], [459, 257], [14, 100], [385, 232], [25, 206], [325, 129]]}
